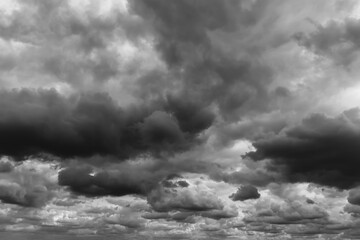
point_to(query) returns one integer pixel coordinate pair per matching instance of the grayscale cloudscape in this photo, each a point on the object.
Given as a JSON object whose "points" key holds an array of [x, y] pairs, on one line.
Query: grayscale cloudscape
{"points": [[183, 119]]}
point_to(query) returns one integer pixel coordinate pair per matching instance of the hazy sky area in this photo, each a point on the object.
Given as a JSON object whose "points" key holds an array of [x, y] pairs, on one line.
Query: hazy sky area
{"points": [[179, 119]]}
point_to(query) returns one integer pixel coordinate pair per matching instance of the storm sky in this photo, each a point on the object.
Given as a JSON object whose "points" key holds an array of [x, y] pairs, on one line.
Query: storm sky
{"points": [[183, 119]]}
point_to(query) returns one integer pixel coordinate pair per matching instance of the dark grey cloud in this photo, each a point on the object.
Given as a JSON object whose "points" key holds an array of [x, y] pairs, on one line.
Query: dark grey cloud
{"points": [[169, 184], [309, 201], [84, 179], [159, 130], [189, 216], [182, 183], [192, 116], [321, 149], [245, 192], [99, 176], [220, 214], [156, 215], [43, 121]]}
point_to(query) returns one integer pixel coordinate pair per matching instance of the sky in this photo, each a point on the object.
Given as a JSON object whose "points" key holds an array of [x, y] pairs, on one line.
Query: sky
{"points": [[186, 119]]}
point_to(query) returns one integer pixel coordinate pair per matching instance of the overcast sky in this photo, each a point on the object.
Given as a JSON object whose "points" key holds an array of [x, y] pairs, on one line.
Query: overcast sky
{"points": [[182, 119]]}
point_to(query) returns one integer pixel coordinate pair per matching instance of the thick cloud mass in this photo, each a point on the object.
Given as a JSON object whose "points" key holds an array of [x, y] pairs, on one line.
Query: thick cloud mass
{"points": [[321, 149], [33, 122]]}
